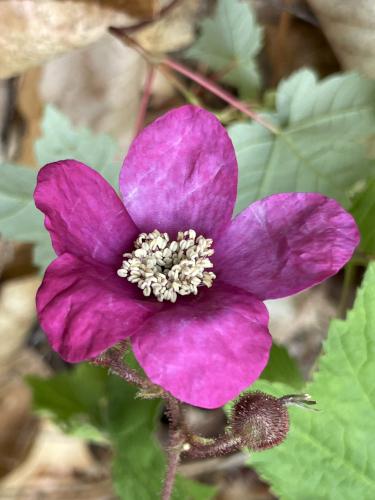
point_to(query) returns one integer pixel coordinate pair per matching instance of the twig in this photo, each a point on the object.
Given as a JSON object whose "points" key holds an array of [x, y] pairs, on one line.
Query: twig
{"points": [[220, 92], [145, 99], [196, 77], [177, 83]]}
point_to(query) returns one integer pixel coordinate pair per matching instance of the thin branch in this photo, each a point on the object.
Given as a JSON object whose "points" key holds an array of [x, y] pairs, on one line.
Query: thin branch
{"points": [[145, 99], [180, 86], [218, 91], [196, 77]]}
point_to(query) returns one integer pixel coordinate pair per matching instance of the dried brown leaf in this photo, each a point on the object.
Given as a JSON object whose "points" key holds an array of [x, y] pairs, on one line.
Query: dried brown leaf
{"points": [[33, 31], [175, 30], [350, 26], [17, 315]]}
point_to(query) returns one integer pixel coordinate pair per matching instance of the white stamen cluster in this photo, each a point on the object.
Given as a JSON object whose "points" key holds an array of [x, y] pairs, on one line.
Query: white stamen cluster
{"points": [[167, 268]]}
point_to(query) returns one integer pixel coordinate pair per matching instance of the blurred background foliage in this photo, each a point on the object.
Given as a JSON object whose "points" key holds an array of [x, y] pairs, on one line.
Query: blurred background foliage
{"points": [[73, 87]]}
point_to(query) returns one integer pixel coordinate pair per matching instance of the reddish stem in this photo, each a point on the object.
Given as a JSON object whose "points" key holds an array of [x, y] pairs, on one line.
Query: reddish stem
{"points": [[196, 77], [116, 366], [173, 459], [145, 99], [220, 92]]}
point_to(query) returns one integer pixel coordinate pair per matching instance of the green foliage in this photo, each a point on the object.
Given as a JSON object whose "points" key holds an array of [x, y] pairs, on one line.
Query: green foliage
{"points": [[364, 212], [281, 367], [61, 141], [321, 143], [329, 454], [19, 218], [228, 45], [88, 402]]}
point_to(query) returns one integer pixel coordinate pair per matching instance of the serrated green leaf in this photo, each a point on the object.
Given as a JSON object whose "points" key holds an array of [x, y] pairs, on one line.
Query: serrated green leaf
{"points": [[364, 213], [228, 45], [321, 144], [61, 140], [281, 367], [19, 218], [329, 454], [73, 398]]}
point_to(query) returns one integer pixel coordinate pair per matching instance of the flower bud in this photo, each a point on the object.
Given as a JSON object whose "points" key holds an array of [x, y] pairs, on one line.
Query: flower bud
{"points": [[262, 420]]}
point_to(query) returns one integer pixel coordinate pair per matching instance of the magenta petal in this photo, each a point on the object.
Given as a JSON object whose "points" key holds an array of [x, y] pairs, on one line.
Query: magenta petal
{"points": [[181, 173], [85, 309], [285, 243], [84, 215], [205, 351]]}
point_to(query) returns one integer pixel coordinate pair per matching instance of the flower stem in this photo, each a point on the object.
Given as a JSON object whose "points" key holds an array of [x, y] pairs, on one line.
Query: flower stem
{"points": [[145, 99], [116, 366], [174, 453], [197, 447]]}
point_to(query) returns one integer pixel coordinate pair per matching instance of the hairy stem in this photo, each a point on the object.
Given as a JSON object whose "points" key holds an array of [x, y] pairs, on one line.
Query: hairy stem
{"points": [[197, 447], [173, 459], [174, 412], [119, 368]]}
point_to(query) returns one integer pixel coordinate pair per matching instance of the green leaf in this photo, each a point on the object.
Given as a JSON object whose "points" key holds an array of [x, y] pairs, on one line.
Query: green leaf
{"points": [[321, 143], [43, 253], [73, 398], [330, 454], [363, 211], [89, 403], [228, 45], [19, 218], [139, 469], [61, 140], [281, 367]]}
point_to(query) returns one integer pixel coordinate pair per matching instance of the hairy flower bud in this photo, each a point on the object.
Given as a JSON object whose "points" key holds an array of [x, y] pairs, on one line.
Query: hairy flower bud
{"points": [[262, 420]]}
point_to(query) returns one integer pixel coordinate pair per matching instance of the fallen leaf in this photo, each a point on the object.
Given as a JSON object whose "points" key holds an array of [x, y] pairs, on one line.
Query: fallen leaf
{"points": [[17, 314], [107, 87], [32, 31], [175, 30], [54, 461], [350, 26]]}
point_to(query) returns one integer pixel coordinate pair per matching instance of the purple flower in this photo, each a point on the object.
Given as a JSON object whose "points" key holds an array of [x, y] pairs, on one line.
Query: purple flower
{"points": [[195, 318]]}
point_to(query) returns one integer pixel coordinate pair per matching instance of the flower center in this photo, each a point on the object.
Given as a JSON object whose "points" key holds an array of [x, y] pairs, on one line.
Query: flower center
{"points": [[167, 268]]}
